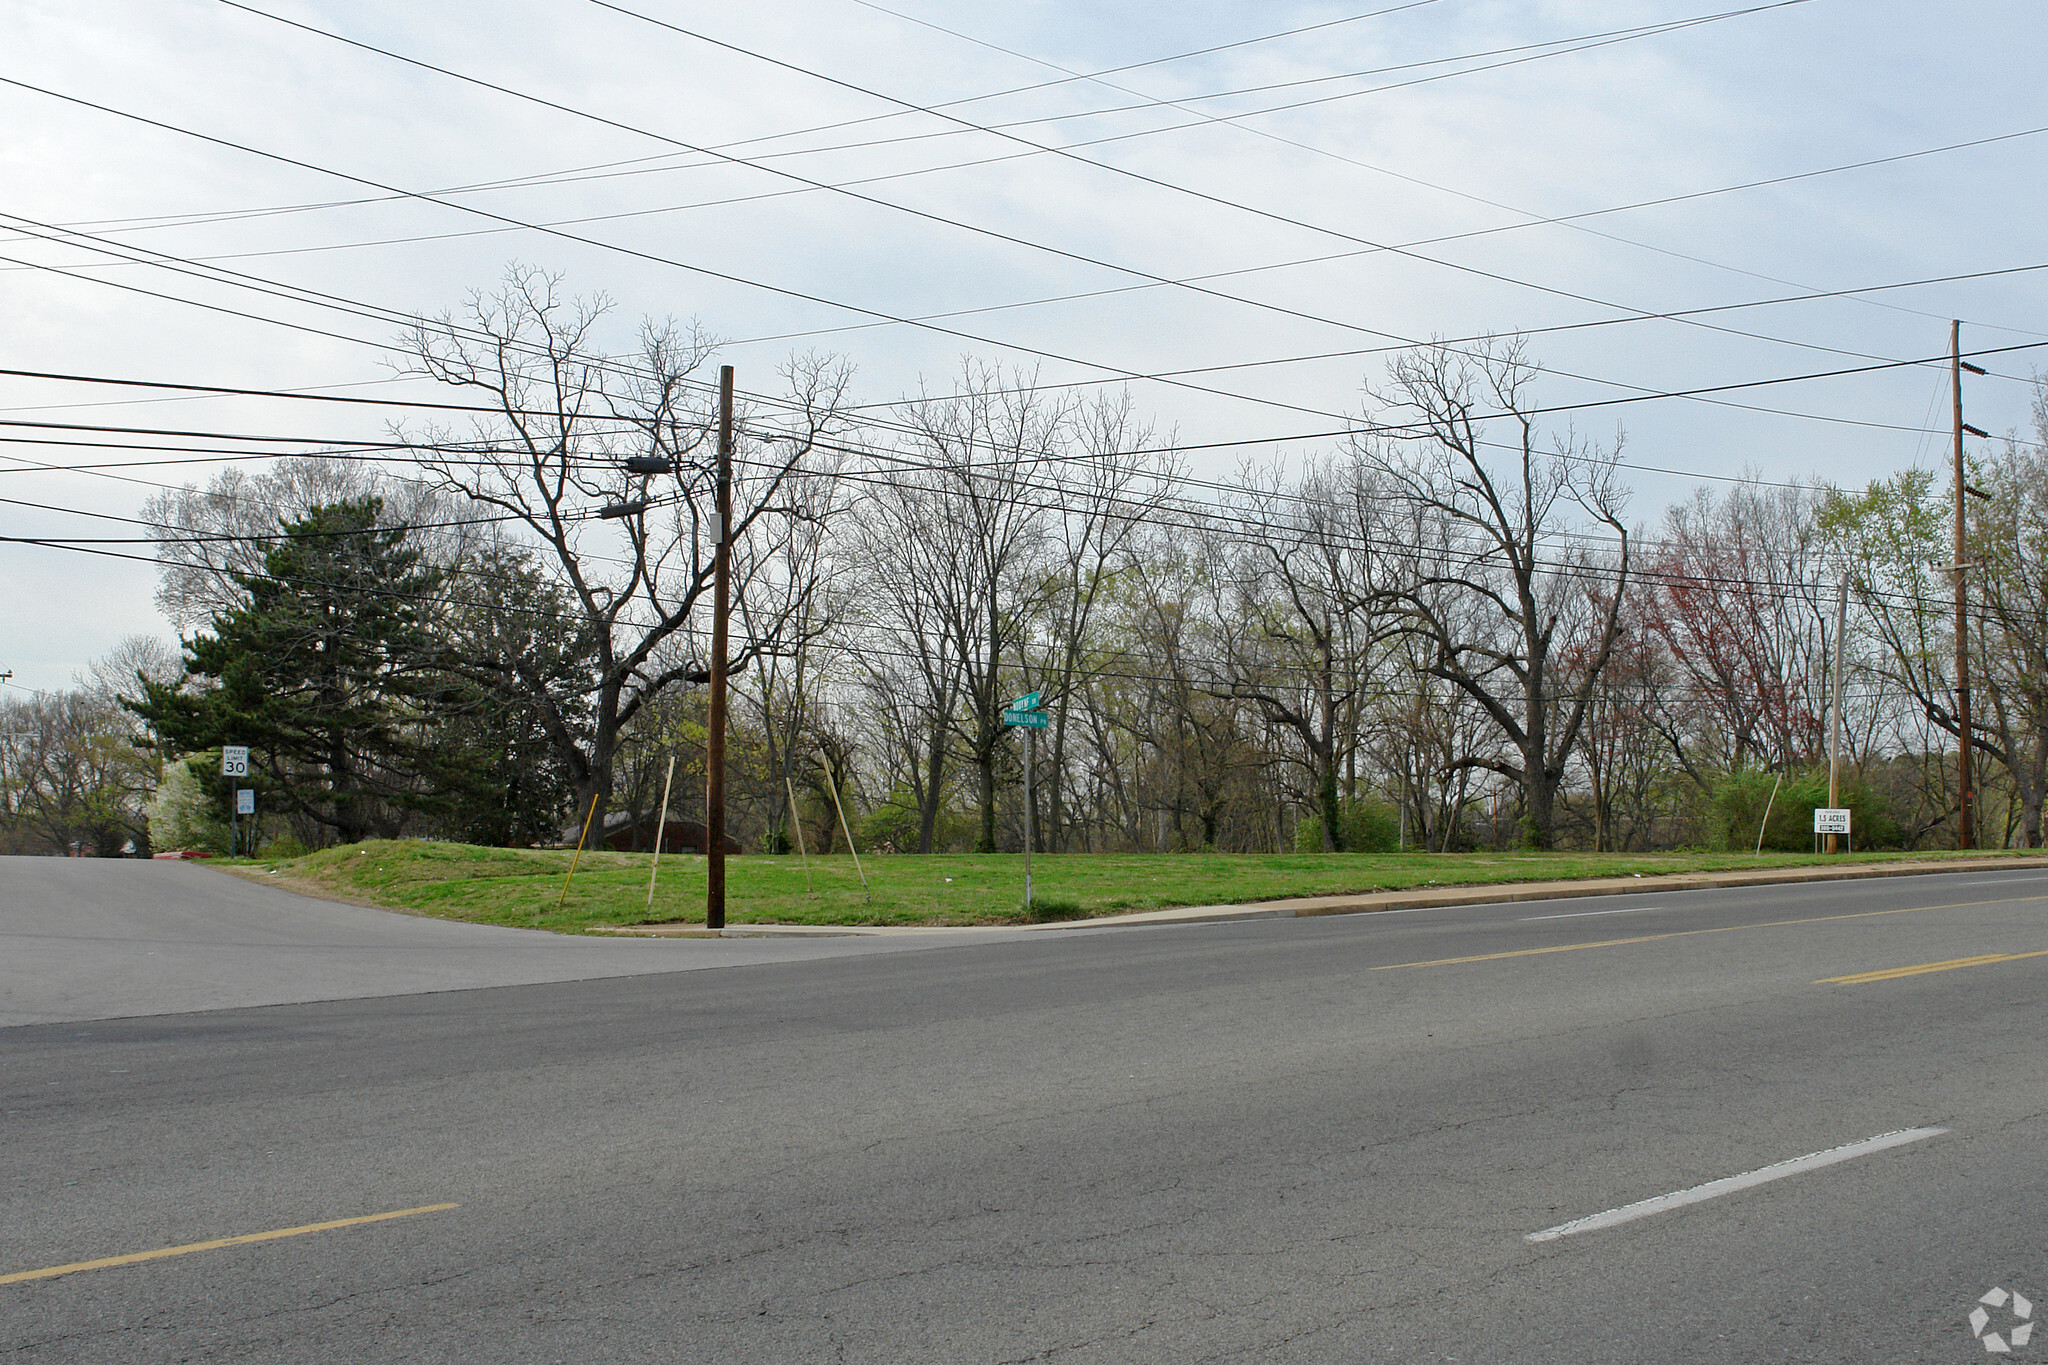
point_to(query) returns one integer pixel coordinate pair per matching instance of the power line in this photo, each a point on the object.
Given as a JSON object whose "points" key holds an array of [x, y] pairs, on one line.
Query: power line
{"points": [[575, 173], [1164, 512], [1359, 429], [1696, 393], [1532, 220], [867, 647], [1150, 180], [609, 363], [996, 233], [1574, 220], [1164, 376], [632, 252], [1126, 374]]}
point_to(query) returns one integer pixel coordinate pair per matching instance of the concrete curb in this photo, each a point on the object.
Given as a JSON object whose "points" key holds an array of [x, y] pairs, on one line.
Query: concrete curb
{"points": [[1413, 898]]}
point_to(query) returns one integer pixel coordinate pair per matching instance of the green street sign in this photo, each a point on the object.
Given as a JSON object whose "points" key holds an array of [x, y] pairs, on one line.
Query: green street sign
{"points": [[1027, 702], [1030, 720]]}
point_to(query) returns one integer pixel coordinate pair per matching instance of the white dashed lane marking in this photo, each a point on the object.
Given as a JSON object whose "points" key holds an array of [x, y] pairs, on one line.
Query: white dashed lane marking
{"points": [[1714, 1189]]}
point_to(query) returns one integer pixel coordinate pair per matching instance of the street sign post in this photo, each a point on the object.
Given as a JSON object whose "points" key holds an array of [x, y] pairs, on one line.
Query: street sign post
{"points": [[1024, 713], [234, 762]]}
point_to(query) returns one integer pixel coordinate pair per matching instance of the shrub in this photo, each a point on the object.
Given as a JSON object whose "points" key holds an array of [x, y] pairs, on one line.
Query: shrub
{"points": [[1369, 827], [1741, 798], [185, 812], [889, 828]]}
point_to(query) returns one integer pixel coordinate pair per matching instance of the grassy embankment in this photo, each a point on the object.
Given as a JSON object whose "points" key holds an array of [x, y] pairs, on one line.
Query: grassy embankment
{"points": [[521, 886]]}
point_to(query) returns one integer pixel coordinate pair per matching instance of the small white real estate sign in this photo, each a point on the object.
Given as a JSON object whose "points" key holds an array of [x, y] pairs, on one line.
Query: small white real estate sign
{"points": [[1827, 821]]}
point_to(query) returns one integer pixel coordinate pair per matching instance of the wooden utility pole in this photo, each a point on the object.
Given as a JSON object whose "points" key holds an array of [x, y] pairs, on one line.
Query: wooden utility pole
{"points": [[1835, 739], [714, 747], [1966, 811]]}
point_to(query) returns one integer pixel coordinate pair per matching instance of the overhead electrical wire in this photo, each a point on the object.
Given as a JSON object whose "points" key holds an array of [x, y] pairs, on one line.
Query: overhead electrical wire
{"points": [[386, 314], [650, 257], [576, 618], [1114, 675], [1418, 428], [1532, 219], [319, 299], [997, 234], [1203, 518], [1238, 122], [1207, 517], [1686, 317], [1165, 511], [869, 451], [582, 173], [394, 316], [1802, 591], [953, 222], [554, 177], [1678, 393], [1125, 374], [1248, 443], [1122, 171]]}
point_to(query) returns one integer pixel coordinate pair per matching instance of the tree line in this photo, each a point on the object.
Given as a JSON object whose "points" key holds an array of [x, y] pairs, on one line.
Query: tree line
{"points": [[1445, 633]]}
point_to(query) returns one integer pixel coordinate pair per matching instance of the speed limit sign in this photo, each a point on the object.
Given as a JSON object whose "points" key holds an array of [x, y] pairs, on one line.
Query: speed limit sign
{"points": [[234, 760]]}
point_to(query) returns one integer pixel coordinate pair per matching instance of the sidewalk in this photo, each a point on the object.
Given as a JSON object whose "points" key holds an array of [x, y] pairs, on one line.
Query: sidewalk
{"points": [[1414, 898]]}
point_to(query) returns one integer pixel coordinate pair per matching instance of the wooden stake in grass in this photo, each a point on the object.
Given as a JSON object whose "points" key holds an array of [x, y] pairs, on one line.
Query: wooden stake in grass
{"points": [[832, 785], [578, 857], [1765, 822], [797, 821], [660, 832]]}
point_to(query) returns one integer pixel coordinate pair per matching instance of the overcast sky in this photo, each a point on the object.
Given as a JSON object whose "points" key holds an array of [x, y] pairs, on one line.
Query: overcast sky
{"points": [[1278, 168]]}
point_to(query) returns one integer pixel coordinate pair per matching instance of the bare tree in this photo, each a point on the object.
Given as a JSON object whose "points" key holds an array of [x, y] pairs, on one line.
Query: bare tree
{"points": [[1895, 539], [1190, 757], [956, 547], [1296, 622], [2011, 543], [1739, 598], [606, 462], [72, 776], [1118, 483], [795, 597], [917, 622], [1491, 569], [206, 534]]}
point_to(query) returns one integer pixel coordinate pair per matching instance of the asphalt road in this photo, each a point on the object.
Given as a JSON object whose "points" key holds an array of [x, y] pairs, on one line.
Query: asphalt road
{"points": [[1274, 1140], [92, 939]]}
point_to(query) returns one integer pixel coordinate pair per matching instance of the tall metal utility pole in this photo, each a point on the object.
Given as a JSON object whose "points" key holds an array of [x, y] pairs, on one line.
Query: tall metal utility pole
{"points": [[1966, 822], [714, 747], [1835, 738]]}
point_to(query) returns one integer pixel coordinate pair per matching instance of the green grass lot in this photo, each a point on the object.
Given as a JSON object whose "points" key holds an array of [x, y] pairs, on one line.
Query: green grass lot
{"points": [[523, 886]]}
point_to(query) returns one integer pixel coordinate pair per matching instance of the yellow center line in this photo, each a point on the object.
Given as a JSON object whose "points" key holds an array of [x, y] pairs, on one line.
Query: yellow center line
{"points": [[1919, 969], [1523, 952], [1691, 933], [217, 1243]]}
